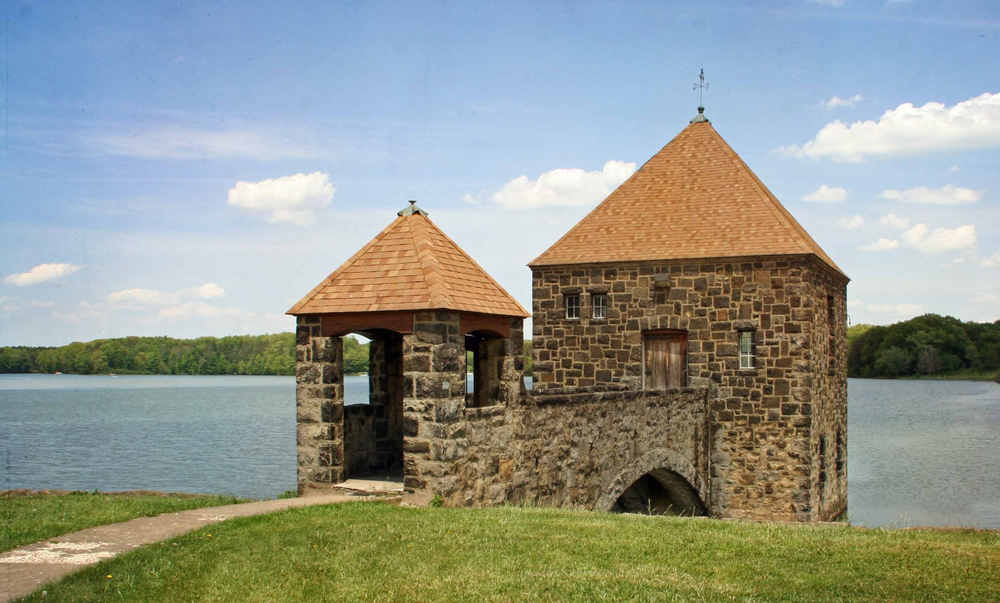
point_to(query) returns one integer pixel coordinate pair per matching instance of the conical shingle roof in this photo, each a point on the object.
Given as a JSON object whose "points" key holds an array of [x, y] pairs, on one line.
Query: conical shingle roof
{"points": [[694, 199], [411, 265]]}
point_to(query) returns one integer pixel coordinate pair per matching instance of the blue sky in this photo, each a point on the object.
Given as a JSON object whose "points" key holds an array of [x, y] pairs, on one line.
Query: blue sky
{"points": [[127, 129]]}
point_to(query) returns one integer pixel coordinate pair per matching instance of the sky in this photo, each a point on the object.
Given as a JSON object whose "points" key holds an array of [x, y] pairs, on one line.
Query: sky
{"points": [[194, 168]]}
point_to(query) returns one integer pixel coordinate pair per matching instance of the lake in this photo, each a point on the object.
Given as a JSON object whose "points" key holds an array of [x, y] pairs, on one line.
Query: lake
{"points": [[919, 452]]}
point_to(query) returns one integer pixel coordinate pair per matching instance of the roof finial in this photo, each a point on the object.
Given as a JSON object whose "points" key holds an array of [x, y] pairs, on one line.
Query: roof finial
{"points": [[701, 86], [411, 209]]}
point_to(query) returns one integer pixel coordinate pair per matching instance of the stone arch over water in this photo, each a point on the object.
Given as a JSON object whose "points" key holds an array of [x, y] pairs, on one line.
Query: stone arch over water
{"points": [[661, 481]]}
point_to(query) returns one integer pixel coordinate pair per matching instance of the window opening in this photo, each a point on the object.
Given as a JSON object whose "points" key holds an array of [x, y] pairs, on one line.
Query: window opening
{"points": [[746, 350], [600, 303], [572, 303]]}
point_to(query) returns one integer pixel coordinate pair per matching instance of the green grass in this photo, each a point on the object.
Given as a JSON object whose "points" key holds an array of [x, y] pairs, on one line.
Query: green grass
{"points": [[963, 374], [378, 552], [27, 519]]}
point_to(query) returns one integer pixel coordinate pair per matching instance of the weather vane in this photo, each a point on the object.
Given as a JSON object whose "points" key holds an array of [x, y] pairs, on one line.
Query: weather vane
{"points": [[701, 87]]}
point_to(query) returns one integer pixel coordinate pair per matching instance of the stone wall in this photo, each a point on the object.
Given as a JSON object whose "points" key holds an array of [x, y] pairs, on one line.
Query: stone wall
{"points": [[433, 399], [319, 401], [582, 449], [764, 451], [829, 395], [435, 396]]}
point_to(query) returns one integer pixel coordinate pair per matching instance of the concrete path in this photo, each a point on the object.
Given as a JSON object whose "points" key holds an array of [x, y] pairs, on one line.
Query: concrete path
{"points": [[24, 569]]}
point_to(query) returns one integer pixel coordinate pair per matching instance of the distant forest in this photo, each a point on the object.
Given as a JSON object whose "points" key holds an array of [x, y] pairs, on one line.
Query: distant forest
{"points": [[237, 355], [926, 345]]}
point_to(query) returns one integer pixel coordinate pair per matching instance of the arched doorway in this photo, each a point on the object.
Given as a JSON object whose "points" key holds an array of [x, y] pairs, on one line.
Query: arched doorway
{"points": [[373, 423], [660, 492]]}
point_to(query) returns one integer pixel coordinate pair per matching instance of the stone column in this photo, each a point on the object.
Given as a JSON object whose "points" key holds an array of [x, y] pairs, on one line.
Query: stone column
{"points": [[433, 403], [319, 378], [512, 364]]}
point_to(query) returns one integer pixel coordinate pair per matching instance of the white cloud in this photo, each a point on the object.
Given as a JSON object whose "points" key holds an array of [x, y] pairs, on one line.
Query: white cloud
{"points": [[34, 303], [990, 262], [563, 187], [296, 199], [855, 303], [942, 239], [837, 102], [908, 130], [833, 3], [909, 309], [41, 273], [202, 310], [135, 298], [881, 245], [985, 298], [894, 221], [473, 199], [85, 314], [171, 142], [207, 291], [826, 194], [953, 169], [851, 222], [946, 195]]}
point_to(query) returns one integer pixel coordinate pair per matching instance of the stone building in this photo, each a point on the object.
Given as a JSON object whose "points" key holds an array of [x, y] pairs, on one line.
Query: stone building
{"points": [[689, 342]]}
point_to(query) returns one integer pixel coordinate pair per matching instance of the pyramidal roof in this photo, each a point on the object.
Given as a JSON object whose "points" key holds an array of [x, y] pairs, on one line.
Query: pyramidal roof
{"points": [[411, 265], [693, 199]]}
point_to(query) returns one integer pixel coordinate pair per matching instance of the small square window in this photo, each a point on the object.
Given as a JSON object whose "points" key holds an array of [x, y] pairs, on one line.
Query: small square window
{"points": [[572, 303], [746, 350], [600, 303]]}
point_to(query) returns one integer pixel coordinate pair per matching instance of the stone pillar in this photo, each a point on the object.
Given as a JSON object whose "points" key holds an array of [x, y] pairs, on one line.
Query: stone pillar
{"points": [[512, 364], [433, 403], [387, 404], [319, 378]]}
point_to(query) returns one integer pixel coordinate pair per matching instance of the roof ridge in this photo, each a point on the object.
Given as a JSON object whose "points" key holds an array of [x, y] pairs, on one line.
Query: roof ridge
{"points": [[799, 234], [476, 264], [308, 297], [429, 263], [742, 170], [605, 200]]}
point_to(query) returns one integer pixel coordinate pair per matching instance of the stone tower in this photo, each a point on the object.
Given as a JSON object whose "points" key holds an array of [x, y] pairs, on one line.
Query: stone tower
{"points": [[693, 274], [423, 303]]}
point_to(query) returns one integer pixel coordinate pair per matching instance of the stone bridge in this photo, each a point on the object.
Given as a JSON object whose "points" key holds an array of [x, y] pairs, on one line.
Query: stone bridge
{"points": [[587, 448]]}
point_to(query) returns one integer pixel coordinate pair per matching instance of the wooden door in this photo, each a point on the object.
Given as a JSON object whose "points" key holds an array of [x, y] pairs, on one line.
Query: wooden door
{"points": [[666, 360]]}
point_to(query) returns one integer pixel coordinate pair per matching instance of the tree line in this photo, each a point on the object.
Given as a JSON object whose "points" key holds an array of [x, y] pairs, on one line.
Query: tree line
{"points": [[924, 345], [235, 355]]}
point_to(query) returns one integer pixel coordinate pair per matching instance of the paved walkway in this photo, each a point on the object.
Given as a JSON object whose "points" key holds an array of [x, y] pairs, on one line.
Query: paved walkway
{"points": [[24, 569]]}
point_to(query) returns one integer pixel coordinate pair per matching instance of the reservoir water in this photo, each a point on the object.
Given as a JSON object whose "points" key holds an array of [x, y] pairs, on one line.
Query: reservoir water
{"points": [[919, 452]]}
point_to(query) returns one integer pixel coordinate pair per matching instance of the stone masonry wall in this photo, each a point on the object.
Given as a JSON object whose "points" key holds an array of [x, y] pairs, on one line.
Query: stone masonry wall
{"points": [[829, 395], [319, 400], [761, 419], [433, 400], [582, 449]]}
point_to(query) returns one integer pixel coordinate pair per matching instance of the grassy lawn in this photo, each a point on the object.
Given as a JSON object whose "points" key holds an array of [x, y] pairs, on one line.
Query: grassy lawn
{"points": [[27, 519], [379, 552]]}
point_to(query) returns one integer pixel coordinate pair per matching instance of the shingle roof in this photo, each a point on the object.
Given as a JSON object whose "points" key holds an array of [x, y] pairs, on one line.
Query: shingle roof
{"points": [[411, 265], [694, 199]]}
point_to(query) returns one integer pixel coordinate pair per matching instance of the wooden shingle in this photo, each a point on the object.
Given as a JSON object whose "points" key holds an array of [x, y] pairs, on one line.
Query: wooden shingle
{"points": [[694, 199], [411, 265]]}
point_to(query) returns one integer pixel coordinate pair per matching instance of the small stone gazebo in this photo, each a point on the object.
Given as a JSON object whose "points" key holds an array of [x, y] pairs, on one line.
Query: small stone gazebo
{"points": [[423, 303]]}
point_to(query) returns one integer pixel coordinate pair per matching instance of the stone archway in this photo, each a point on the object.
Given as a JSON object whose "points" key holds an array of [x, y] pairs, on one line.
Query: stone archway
{"points": [[665, 467]]}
